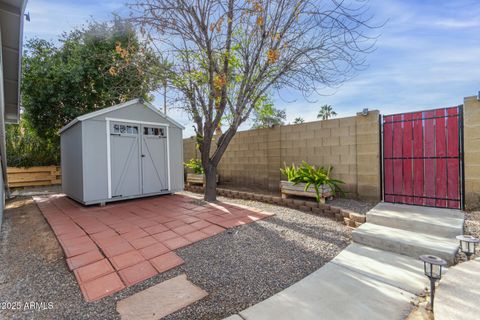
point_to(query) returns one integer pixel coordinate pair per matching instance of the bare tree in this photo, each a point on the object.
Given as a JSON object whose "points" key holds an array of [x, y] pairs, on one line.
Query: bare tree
{"points": [[228, 55]]}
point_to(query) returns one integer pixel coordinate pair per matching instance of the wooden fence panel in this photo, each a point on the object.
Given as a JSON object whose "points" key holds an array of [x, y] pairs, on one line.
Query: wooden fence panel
{"points": [[33, 176]]}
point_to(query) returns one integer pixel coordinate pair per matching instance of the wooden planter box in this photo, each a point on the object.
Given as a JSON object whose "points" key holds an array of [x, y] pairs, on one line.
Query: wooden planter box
{"points": [[194, 178], [288, 189]]}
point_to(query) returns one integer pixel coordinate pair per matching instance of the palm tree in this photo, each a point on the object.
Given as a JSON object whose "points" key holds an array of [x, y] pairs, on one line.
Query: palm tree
{"points": [[326, 112], [298, 120]]}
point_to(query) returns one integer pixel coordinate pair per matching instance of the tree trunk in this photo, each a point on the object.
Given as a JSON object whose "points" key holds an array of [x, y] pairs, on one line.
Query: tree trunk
{"points": [[210, 194]]}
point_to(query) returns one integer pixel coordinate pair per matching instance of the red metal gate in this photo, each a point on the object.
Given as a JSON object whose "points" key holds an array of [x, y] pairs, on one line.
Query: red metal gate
{"points": [[423, 158]]}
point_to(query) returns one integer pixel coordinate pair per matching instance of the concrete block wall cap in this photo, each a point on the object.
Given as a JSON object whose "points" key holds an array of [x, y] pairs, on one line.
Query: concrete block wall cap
{"points": [[358, 217], [299, 202], [311, 204], [335, 209], [305, 208], [345, 213], [251, 196], [471, 98]]}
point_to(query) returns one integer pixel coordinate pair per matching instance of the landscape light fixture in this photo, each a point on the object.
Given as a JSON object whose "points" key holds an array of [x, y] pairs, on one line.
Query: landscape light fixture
{"points": [[432, 267], [468, 244], [27, 16]]}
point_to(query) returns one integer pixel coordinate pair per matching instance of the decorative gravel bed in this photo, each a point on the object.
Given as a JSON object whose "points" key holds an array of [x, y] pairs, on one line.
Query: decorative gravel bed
{"points": [[353, 205], [238, 268], [472, 226]]}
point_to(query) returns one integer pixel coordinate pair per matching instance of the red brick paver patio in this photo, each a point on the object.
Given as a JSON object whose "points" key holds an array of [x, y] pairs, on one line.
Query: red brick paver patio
{"points": [[124, 243]]}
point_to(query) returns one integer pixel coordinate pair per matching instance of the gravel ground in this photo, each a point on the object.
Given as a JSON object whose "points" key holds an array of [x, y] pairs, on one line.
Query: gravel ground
{"points": [[238, 268], [351, 204], [472, 226]]}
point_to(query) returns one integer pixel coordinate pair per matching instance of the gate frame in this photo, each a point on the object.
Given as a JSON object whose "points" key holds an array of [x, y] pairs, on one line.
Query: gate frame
{"points": [[461, 152]]}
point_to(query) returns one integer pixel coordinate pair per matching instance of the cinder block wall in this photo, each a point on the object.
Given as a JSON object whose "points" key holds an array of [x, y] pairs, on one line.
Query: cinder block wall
{"points": [[351, 145], [368, 156], [471, 131], [331, 142]]}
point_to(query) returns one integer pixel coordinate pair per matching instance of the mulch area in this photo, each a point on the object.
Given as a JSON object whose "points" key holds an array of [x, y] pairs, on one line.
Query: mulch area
{"points": [[237, 267]]}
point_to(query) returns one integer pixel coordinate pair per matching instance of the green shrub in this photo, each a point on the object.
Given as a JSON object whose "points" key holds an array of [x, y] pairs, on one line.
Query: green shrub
{"points": [[310, 175], [26, 149], [195, 165]]}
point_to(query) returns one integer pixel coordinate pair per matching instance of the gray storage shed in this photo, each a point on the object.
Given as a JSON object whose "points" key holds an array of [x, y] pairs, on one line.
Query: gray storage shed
{"points": [[126, 151]]}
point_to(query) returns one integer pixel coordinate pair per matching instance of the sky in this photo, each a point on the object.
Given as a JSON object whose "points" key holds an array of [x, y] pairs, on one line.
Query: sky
{"points": [[427, 56]]}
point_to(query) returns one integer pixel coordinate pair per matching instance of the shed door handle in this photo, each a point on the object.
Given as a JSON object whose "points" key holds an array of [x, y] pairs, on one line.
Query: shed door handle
{"points": [[143, 156]]}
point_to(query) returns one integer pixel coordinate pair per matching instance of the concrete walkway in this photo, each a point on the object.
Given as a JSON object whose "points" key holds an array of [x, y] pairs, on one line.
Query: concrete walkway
{"points": [[458, 293], [376, 277]]}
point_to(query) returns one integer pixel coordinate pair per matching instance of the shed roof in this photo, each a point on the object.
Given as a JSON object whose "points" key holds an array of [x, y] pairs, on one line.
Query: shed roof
{"points": [[117, 107]]}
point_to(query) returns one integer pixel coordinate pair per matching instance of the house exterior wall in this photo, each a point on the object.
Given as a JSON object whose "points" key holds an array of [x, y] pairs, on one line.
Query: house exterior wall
{"points": [[71, 162], [471, 133], [2, 108], [2, 199], [351, 145]]}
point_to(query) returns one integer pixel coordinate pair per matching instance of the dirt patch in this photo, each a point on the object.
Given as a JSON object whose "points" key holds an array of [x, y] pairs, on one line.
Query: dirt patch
{"points": [[37, 237]]}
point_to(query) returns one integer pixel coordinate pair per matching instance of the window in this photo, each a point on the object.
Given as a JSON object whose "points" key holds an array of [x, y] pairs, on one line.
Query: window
{"points": [[149, 131], [124, 129]]}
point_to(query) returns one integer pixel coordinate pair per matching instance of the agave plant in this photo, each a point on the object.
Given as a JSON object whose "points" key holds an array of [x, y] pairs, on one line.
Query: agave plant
{"points": [[312, 176], [289, 172]]}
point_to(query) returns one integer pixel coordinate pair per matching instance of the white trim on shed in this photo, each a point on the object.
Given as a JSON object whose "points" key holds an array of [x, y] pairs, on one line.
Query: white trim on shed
{"points": [[118, 107]]}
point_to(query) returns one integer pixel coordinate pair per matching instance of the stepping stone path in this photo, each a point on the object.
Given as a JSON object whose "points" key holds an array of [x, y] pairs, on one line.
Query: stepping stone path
{"points": [[377, 276], [119, 245], [160, 300]]}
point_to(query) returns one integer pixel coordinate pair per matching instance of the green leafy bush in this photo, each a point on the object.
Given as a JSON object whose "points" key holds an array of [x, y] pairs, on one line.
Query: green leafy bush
{"points": [[26, 149], [310, 175], [195, 165]]}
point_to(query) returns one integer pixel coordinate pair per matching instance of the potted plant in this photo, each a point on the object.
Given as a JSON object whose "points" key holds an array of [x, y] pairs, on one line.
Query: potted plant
{"points": [[309, 181], [198, 175]]}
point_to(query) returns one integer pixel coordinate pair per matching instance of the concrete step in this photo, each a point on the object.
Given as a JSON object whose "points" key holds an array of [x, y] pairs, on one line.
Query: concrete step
{"points": [[334, 293], [394, 269], [446, 223], [458, 293], [405, 242]]}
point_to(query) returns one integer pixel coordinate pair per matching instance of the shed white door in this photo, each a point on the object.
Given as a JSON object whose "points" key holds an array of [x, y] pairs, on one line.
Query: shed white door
{"points": [[125, 151], [138, 156], [154, 159]]}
